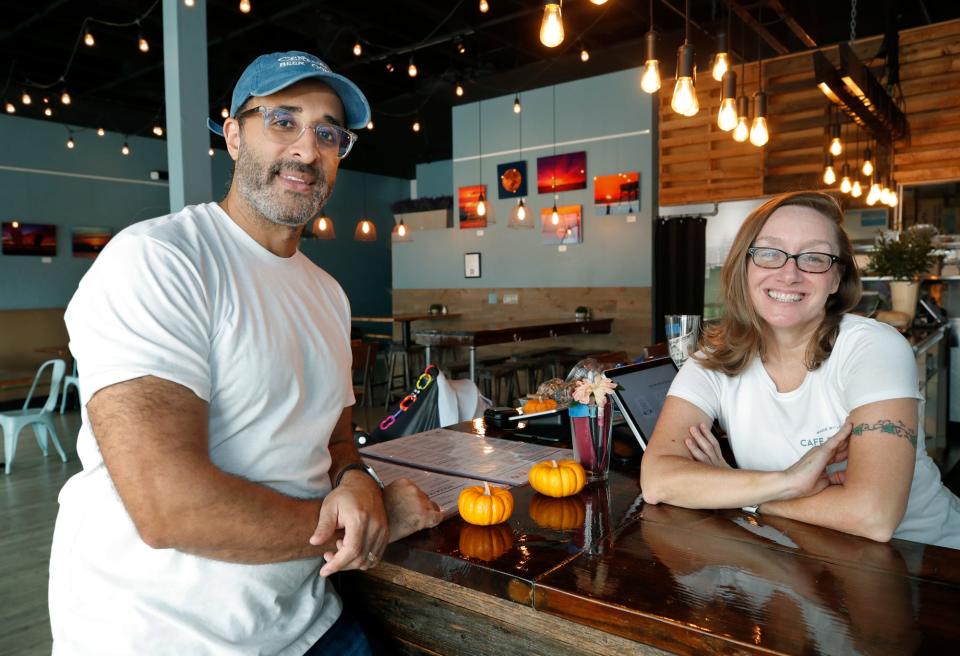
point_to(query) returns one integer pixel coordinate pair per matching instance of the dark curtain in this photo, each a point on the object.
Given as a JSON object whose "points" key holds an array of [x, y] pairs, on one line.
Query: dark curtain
{"points": [[679, 257]]}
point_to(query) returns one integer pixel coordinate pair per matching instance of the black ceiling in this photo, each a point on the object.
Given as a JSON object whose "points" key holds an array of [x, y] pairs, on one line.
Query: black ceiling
{"points": [[115, 86]]}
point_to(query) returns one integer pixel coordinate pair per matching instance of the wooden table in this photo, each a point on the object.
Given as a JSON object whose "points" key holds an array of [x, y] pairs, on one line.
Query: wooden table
{"points": [[628, 578], [405, 320], [474, 335]]}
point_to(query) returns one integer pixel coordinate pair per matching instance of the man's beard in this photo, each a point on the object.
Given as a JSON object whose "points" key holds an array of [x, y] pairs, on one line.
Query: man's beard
{"points": [[280, 206]]}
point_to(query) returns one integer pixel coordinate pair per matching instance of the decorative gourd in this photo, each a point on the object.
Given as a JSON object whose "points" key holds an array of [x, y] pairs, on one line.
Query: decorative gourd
{"points": [[557, 478], [485, 542], [485, 506], [538, 405], [563, 514]]}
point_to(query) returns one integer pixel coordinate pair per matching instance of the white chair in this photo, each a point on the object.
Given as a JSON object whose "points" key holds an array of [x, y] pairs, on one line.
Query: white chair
{"points": [[69, 380], [41, 419]]}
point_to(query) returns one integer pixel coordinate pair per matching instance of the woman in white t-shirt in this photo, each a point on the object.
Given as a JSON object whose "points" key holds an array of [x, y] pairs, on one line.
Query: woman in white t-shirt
{"points": [[822, 408]]}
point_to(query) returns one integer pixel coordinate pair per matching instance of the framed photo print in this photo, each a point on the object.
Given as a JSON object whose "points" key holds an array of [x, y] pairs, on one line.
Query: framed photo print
{"points": [[471, 265]]}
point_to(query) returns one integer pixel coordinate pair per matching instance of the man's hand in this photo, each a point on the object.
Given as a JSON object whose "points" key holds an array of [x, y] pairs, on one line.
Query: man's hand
{"points": [[356, 506], [704, 447], [409, 509]]}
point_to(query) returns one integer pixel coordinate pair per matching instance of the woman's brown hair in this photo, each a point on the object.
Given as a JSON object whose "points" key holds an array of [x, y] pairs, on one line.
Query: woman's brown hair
{"points": [[730, 344]]}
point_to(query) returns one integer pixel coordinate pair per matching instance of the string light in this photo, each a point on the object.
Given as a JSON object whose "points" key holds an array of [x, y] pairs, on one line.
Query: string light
{"points": [[244, 6], [225, 113], [101, 132], [551, 27], [125, 149], [484, 6], [584, 55], [459, 89], [88, 39], [25, 99], [10, 107], [517, 107], [412, 69], [65, 98], [357, 49]]}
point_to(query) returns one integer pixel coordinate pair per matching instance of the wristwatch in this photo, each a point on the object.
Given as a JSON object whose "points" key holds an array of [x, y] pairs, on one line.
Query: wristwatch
{"points": [[362, 466], [753, 510]]}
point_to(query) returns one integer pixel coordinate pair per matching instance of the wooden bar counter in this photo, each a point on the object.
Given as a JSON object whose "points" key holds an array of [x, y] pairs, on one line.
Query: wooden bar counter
{"points": [[604, 573]]}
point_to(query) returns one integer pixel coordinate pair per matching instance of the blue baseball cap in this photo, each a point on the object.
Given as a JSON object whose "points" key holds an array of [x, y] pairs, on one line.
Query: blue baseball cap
{"points": [[270, 73]]}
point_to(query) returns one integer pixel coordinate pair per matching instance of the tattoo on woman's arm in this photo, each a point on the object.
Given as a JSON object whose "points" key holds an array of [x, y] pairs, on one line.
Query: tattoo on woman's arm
{"points": [[899, 429]]}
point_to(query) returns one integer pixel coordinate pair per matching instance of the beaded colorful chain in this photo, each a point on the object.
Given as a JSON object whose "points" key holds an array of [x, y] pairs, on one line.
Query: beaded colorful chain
{"points": [[423, 382]]}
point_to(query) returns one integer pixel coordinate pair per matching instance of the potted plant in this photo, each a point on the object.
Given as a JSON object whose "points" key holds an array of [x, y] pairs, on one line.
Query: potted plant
{"points": [[903, 257], [428, 213]]}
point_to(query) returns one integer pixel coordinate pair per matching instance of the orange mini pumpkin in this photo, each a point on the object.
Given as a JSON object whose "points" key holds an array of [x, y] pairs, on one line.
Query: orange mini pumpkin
{"points": [[485, 542], [557, 478], [485, 506], [558, 514], [538, 405]]}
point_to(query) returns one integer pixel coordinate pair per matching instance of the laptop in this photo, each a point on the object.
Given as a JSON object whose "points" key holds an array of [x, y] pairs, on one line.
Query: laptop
{"points": [[641, 392]]}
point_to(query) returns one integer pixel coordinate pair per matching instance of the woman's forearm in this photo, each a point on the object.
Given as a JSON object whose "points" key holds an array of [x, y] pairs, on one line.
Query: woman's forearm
{"points": [[684, 482], [841, 508]]}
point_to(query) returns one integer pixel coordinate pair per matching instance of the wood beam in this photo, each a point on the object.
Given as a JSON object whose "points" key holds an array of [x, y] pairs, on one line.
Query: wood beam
{"points": [[790, 22], [752, 23]]}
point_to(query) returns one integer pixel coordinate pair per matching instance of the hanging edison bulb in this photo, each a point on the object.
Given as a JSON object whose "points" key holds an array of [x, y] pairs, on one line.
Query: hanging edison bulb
{"points": [[551, 27], [412, 69], [484, 6], [65, 98], [158, 130], [125, 149], [481, 205], [370, 124], [885, 194], [554, 214], [759, 134], [836, 146], [856, 190], [721, 61], [893, 199], [517, 107], [365, 231], [244, 6], [323, 228], [416, 126], [874, 194], [829, 175], [210, 152], [599, 2], [727, 116], [459, 89], [48, 112], [584, 55], [357, 49], [867, 167], [650, 80], [845, 185], [88, 39], [742, 132], [188, 3], [71, 144], [101, 132], [142, 43], [25, 98], [684, 101], [10, 107], [225, 113]]}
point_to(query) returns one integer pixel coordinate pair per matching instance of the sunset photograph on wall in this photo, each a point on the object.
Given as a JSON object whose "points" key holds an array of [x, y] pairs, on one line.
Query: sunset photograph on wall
{"points": [[562, 172]]}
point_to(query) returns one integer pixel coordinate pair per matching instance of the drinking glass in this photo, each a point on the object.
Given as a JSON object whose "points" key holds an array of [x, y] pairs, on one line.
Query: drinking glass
{"points": [[682, 333]]}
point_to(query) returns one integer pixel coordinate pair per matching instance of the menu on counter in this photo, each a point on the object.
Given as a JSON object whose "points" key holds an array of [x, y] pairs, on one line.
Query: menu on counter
{"points": [[443, 489], [467, 455]]}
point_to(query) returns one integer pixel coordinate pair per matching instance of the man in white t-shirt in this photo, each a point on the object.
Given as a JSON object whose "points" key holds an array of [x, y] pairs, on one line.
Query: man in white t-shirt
{"points": [[220, 483]]}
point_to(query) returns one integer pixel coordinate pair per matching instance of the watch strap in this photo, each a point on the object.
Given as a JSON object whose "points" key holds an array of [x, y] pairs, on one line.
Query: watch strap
{"points": [[362, 467]]}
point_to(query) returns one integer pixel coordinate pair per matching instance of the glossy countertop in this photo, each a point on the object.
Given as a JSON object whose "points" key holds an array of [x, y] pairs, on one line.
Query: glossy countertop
{"points": [[693, 581]]}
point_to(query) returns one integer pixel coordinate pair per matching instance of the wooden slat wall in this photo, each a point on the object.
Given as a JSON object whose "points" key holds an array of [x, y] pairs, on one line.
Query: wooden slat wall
{"points": [[699, 162], [629, 307]]}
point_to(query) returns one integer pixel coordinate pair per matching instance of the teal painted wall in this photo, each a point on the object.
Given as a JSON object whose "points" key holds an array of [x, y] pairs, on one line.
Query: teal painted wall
{"points": [[435, 178], [613, 252], [41, 181]]}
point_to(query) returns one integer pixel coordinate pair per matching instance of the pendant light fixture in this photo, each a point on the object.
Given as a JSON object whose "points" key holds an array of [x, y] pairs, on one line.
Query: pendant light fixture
{"points": [[742, 130], [520, 214], [584, 53], [856, 190], [727, 116], [551, 26], [684, 101], [867, 167], [481, 200], [25, 98], [323, 228], [88, 39], [517, 107], [829, 175], [759, 134], [650, 80], [874, 194], [484, 6], [366, 230], [845, 184], [412, 68], [401, 233], [721, 61], [10, 107], [357, 49], [836, 146]]}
